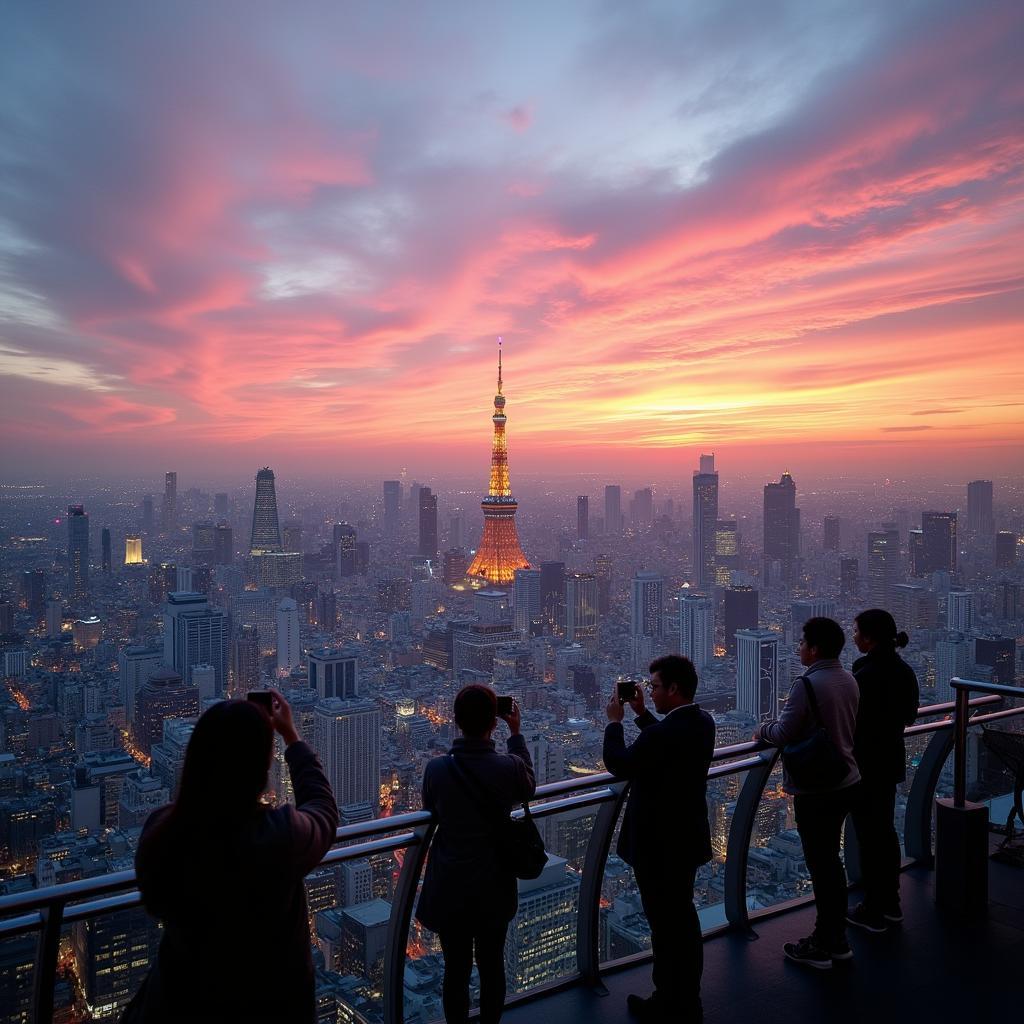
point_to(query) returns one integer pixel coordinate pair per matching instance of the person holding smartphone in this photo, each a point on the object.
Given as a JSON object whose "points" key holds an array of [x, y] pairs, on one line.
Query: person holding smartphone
{"points": [[665, 834], [468, 897], [224, 874]]}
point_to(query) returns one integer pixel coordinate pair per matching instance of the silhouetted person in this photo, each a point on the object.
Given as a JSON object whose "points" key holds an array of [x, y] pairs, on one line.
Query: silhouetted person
{"points": [[468, 896], [820, 812], [889, 697], [665, 834], [224, 873]]}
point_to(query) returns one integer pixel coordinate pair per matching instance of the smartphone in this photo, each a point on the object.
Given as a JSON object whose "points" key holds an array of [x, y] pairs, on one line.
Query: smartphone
{"points": [[627, 691], [504, 706], [264, 698]]}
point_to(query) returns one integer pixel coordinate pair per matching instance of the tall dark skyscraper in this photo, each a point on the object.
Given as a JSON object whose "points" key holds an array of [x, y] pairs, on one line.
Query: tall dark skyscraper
{"points": [[428, 524], [223, 544], [169, 509], [643, 508], [831, 528], [583, 517], [266, 531], [552, 595], [613, 509], [740, 611], [1006, 549], [345, 550], [392, 507], [105, 548], [849, 571], [980, 518], [603, 572], [705, 516], [33, 592], [883, 565], [147, 512], [781, 526], [78, 552], [939, 540]]}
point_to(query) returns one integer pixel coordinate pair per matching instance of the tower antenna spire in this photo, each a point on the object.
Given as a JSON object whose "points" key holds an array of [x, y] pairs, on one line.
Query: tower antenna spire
{"points": [[499, 364]]}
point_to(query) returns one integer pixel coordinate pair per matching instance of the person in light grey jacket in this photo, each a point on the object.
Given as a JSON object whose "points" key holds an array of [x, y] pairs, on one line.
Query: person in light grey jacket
{"points": [[820, 813]]}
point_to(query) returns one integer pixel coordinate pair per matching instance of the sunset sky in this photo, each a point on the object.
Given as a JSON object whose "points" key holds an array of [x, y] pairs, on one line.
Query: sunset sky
{"points": [[237, 234]]}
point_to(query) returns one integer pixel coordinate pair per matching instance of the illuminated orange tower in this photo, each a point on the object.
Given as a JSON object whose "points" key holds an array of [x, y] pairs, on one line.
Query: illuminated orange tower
{"points": [[499, 553]]}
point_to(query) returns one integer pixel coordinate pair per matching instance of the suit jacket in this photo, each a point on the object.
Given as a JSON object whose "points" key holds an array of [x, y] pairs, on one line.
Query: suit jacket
{"points": [[464, 886], [666, 816], [889, 696], [236, 944]]}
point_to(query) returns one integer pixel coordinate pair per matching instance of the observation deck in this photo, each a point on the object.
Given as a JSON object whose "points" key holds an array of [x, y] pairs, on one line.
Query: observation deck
{"points": [[938, 965]]}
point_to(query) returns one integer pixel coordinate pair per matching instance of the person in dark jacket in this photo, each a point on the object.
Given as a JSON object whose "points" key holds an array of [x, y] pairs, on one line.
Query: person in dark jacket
{"points": [[468, 897], [224, 873], [889, 697], [665, 834]]}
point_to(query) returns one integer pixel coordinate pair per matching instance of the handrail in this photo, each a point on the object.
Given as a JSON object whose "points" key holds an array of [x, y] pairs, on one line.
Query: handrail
{"points": [[961, 720], [46, 910]]}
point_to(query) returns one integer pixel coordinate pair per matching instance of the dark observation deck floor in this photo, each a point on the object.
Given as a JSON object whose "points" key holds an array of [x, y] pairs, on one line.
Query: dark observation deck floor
{"points": [[929, 969]]}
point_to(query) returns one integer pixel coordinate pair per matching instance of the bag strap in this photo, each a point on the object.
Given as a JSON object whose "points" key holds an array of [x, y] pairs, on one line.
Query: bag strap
{"points": [[812, 701]]}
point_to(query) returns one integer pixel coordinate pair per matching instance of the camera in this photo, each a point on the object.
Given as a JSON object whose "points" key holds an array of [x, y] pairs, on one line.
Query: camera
{"points": [[264, 698], [627, 690], [504, 706]]}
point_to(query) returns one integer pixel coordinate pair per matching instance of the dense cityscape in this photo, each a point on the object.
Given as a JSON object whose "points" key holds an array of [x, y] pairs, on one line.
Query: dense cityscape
{"points": [[370, 604]]}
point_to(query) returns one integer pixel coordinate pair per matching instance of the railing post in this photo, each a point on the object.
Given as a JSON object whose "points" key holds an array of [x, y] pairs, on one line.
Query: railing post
{"points": [[46, 962], [960, 748], [738, 848], [588, 922], [398, 924]]}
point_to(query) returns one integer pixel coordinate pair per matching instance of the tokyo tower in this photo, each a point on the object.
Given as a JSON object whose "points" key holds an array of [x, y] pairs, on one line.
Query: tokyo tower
{"points": [[499, 553]]}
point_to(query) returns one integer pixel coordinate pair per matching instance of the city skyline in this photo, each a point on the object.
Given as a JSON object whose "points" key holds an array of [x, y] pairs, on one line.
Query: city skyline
{"points": [[814, 262]]}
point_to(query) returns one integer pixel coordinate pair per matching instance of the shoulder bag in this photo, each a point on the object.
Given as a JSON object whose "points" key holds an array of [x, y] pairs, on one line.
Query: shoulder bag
{"points": [[814, 763]]}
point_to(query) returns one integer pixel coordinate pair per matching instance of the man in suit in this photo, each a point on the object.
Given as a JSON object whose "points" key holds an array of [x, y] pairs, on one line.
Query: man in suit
{"points": [[665, 834]]}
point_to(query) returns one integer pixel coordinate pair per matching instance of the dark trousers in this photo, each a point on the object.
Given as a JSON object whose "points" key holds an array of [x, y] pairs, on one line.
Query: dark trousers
{"points": [[458, 948], [667, 897], [873, 812], [819, 820]]}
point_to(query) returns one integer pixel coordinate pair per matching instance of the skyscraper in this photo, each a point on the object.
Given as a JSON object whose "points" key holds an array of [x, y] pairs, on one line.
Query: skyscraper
{"points": [[980, 518], [499, 553], [740, 611], [223, 544], [849, 572], [647, 616], [951, 657], [831, 528], [757, 673], [583, 517], [147, 513], [245, 659], [696, 628], [135, 666], [266, 531], [960, 612], [105, 549], [581, 610], [883, 561], [335, 673], [613, 509], [526, 600], [169, 509], [428, 524], [163, 695], [552, 595], [345, 540], [195, 634], [346, 735], [705, 516], [915, 552], [781, 526], [939, 530], [132, 549], [727, 550], [392, 507], [289, 650], [78, 552], [220, 505], [603, 572], [643, 508], [1006, 549]]}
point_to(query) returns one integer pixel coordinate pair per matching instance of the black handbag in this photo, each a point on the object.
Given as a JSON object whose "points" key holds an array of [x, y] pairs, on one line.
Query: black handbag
{"points": [[814, 763], [518, 845]]}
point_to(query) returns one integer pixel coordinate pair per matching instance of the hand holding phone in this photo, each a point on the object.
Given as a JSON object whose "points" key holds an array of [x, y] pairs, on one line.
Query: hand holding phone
{"points": [[626, 690], [263, 699], [504, 706]]}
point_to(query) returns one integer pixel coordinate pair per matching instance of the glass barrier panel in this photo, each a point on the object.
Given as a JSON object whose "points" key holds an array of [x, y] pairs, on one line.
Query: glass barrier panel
{"points": [[17, 976], [916, 746]]}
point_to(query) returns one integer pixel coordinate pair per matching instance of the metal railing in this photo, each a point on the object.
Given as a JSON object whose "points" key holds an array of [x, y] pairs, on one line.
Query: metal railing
{"points": [[961, 720], [48, 910]]}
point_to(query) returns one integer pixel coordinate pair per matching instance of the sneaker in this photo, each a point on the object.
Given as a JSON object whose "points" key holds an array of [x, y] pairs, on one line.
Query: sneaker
{"points": [[893, 914], [841, 951], [808, 952], [862, 917]]}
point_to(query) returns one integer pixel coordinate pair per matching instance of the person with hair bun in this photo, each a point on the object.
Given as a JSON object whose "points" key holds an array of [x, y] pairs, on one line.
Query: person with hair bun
{"points": [[889, 697]]}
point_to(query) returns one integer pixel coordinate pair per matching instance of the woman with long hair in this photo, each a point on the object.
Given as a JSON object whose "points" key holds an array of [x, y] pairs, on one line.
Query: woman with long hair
{"points": [[223, 872], [889, 697]]}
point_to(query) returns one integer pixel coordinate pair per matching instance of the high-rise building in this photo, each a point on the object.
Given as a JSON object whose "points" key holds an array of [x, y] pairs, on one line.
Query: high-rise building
{"points": [[33, 592], [163, 695], [581, 610], [613, 509], [939, 529], [392, 507], [202, 542], [603, 572], [1006, 549], [1008, 603], [223, 544], [739, 611], [195, 634], [915, 553], [705, 516], [335, 673], [455, 563], [291, 535], [526, 600], [246, 659], [499, 553], [781, 526], [428, 524], [980, 517], [345, 541], [727, 549], [883, 562], [78, 552], [951, 659], [757, 673], [169, 509], [647, 606], [220, 505], [346, 735], [135, 666], [960, 612], [849, 577], [996, 653], [810, 608], [266, 531], [552, 595], [105, 549], [455, 530], [147, 513], [133, 549], [696, 628], [642, 509], [831, 528], [289, 649], [583, 517]]}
